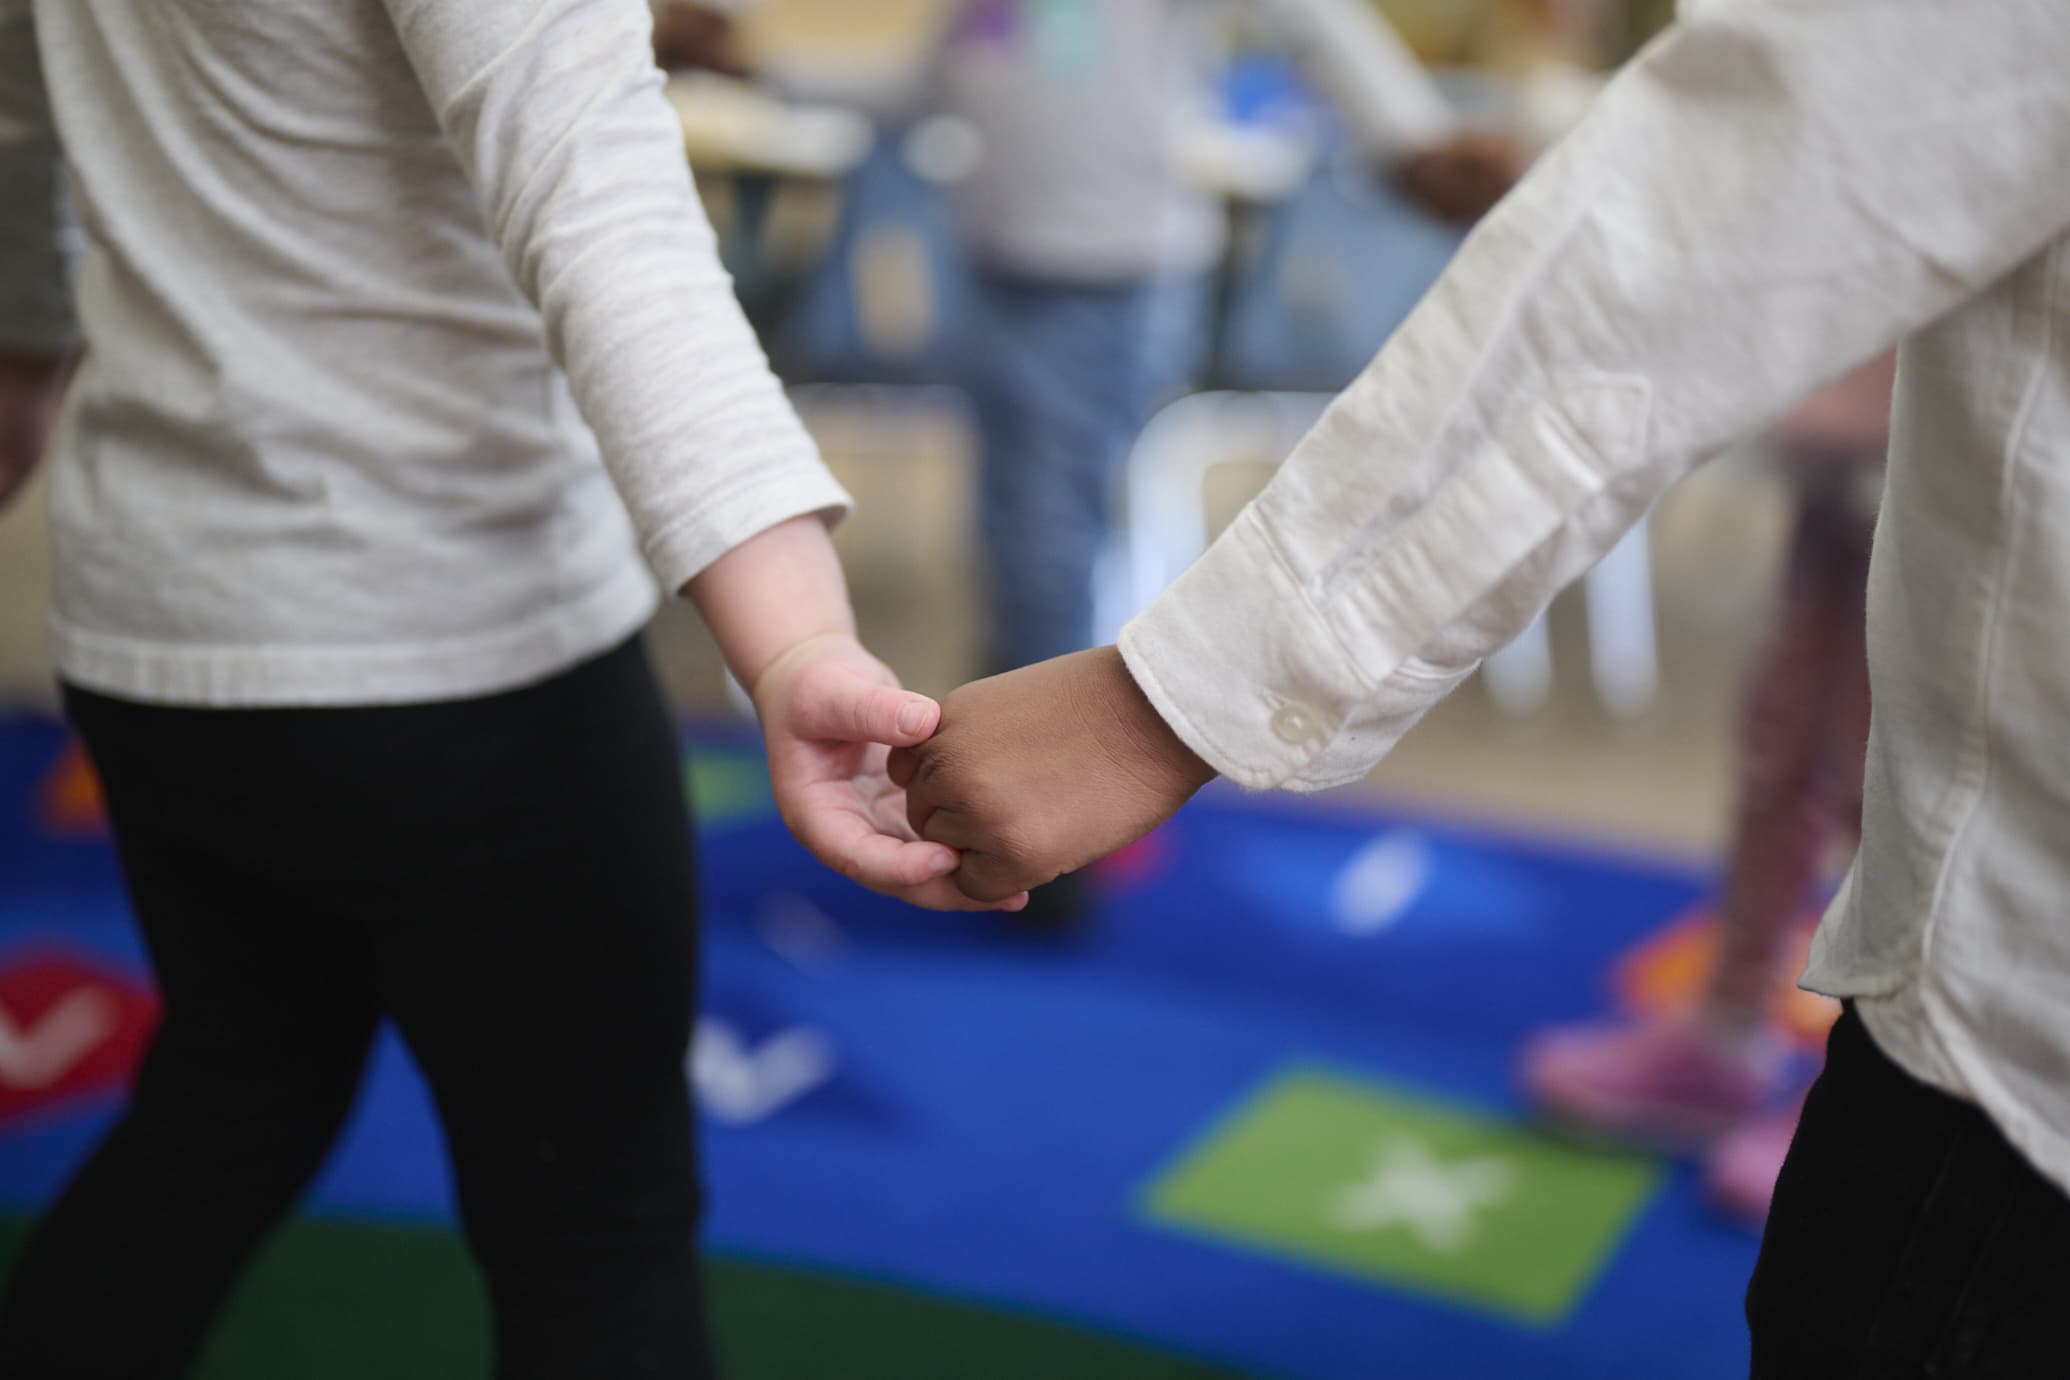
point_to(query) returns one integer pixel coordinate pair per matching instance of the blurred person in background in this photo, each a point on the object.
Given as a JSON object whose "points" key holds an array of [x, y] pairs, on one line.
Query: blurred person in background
{"points": [[1704, 1082], [1769, 197], [348, 586], [1094, 247]]}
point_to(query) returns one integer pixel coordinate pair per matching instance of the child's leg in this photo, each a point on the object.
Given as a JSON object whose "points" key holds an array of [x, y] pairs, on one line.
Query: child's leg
{"points": [[1688, 1083], [268, 1015], [1742, 1171], [1056, 380], [508, 877], [541, 968], [1801, 747]]}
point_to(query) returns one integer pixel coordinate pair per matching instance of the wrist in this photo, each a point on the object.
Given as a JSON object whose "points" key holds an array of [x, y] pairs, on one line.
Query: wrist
{"points": [[805, 648], [1150, 739], [772, 595]]}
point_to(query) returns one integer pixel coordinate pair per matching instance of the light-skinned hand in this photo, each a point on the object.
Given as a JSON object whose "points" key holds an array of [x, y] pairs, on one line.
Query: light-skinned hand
{"points": [[1040, 771], [830, 712]]}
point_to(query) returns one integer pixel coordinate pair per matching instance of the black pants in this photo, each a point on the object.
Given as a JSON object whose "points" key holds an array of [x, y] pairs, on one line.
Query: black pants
{"points": [[1908, 1239], [509, 880]]}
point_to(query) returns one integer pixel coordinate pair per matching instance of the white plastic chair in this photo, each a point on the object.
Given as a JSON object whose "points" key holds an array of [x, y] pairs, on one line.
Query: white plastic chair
{"points": [[1164, 529]]}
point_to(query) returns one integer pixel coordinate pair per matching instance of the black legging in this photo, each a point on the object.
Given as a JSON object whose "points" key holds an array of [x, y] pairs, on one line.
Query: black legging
{"points": [[509, 880], [1908, 1238]]}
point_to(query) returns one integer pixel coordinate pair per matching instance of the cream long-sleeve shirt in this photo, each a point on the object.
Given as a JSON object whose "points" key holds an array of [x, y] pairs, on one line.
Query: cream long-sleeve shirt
{"points": [[323, 449], [1773, 192]]}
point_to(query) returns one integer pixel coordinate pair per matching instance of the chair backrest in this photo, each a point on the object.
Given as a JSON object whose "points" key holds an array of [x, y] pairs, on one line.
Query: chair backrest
{"points": [[1164, 528], [1163, 524], [888, 301]]}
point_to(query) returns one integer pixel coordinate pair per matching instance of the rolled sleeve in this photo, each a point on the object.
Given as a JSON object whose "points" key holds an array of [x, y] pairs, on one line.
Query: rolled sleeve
{"points": [[1260, 704], [555, 109]]}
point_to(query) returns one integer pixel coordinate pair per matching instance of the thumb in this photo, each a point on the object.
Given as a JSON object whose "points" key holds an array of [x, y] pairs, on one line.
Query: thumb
{"points": [[844, 709]]}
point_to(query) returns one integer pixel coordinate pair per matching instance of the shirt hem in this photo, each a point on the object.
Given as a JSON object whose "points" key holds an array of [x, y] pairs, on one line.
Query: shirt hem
{"points": [[1906, 1029], [217, 676]]}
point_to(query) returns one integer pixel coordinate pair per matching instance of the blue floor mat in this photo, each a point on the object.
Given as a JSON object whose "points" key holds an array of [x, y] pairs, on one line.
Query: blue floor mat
{"points": [[1259, 1112]]}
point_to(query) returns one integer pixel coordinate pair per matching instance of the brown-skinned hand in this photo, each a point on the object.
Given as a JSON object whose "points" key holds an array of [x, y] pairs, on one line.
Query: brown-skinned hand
{"points": [[689, 37], [1040, 771], [1461, 178]]}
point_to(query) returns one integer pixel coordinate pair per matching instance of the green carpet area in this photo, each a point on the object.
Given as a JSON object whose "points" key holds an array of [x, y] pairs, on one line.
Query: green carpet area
{"points": [[345, 1300]]}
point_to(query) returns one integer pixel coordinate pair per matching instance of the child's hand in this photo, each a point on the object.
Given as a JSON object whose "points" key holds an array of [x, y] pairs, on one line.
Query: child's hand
{"points": [[830, 714], [1043, 770], [1461, 179], [690, 35]]}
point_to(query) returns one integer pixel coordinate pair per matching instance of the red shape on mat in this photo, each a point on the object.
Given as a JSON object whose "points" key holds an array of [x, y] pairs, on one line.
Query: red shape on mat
{"points": [[69, 1027]]}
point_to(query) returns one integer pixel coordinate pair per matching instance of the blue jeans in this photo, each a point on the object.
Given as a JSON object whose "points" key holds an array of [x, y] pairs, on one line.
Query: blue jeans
{"points": [[1063, 376]]}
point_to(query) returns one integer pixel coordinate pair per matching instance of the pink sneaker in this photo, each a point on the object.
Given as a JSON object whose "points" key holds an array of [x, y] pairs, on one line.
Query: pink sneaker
{"points": [[1744, 1166], [1663, 1087]]}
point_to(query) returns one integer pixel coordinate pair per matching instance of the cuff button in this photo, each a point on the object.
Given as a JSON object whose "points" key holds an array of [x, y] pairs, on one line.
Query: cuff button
{"points": [[1295, 724]]}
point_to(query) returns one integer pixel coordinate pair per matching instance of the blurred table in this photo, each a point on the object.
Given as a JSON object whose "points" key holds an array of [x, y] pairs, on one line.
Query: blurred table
{"points": [[814, 42], [756, 145], [733, 127]]}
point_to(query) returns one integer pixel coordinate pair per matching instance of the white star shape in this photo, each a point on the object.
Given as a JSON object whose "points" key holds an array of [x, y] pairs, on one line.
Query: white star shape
{"points": [[1410, 1188]]}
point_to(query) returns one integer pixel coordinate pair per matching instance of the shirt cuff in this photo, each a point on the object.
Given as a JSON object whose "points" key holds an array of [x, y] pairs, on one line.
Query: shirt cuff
{"points": [[723, 520], [1240, 660]]}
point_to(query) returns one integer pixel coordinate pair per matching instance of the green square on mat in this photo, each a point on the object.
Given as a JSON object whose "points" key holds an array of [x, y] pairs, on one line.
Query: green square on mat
{"points": [[726, 785], [1370, 1182]]}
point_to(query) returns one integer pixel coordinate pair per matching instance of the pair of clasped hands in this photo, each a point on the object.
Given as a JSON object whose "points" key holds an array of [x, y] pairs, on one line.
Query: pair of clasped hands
{"points": [[1003, 786]]}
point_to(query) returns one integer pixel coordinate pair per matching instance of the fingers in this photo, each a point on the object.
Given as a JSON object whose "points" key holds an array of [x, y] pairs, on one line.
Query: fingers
{"points": [[888, 811], [902, 769], [984, 877], [942, 894], [857, 845], [888, 864], [851, 843], [952, 827], [842, 708], [918, 874]]}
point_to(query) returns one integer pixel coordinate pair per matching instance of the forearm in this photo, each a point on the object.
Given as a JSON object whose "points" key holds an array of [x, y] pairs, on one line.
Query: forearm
{"points": [[774, 592], [555, 110]]}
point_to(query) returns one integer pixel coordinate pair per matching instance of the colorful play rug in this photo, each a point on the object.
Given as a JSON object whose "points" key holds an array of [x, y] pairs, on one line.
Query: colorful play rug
{"points": [[1257, 1120]]}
